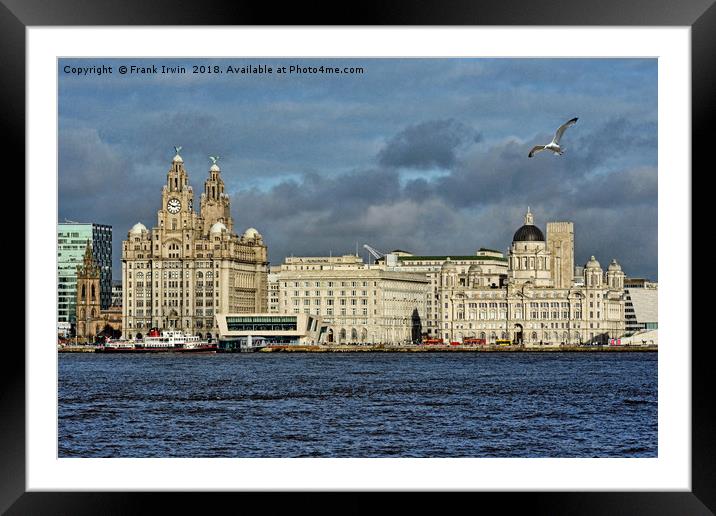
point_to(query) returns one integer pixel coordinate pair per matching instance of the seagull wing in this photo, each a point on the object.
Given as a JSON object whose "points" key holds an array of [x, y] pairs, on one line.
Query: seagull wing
{"points": [[535, 150], [563, 128]]}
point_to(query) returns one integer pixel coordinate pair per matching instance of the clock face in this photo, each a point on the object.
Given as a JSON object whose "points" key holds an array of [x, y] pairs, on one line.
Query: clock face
{"points": [[174, 205]]}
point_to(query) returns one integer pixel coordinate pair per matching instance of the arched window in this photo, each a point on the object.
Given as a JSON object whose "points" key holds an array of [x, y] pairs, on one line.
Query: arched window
{"points": [[342, 335], [82, 313], [534, 336], [364, 335], [94, 313], [354, 335], [93, 296], [482, 334], [84, 292]]}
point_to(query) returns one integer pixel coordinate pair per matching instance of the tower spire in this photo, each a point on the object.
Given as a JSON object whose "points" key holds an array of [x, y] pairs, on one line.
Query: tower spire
{"points": [[215, 204], [529, 219]]}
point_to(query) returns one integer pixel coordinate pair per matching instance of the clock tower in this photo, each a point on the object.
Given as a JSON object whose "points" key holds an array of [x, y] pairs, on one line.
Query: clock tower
{"points": [[191, 265], [177, 210]]}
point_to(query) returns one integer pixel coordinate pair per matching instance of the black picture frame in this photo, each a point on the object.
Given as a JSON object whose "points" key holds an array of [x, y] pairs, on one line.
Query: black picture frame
{"points": [[17, 15]]}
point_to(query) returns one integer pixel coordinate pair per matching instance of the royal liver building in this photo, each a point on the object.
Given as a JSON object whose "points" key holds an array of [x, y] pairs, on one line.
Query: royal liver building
{"points": [[190, 266]]}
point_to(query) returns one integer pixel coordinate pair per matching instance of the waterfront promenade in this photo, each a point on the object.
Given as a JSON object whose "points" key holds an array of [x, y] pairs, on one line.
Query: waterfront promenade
{"points": [[381, 348], [396, 348]]}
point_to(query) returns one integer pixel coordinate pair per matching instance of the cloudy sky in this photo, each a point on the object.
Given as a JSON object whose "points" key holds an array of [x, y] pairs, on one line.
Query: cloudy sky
{"points": [[424, 155]]}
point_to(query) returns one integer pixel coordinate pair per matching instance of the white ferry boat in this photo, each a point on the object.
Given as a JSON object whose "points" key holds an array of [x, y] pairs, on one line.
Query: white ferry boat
{"points": [[167, 341]]}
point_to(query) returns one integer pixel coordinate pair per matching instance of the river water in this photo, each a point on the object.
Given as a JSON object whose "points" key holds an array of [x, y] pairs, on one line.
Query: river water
{"points": [[358, 405]]}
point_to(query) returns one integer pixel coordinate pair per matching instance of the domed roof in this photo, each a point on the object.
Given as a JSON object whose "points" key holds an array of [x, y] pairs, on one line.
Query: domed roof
{"points": [[448, 265], [252, 233], [528, 233], [614, 266], [218, 227], [592, 264], [138, 228]]}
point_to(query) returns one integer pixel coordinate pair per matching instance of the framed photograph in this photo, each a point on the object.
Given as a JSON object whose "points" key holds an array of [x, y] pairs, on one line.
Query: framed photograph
{"points": [[355, 169]]}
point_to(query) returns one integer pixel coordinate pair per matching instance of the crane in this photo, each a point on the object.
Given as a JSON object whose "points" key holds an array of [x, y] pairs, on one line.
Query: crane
{"points": [[376, 254]]}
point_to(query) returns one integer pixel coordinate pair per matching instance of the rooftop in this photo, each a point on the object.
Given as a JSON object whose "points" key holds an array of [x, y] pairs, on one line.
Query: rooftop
{"points": [[452, 257]]}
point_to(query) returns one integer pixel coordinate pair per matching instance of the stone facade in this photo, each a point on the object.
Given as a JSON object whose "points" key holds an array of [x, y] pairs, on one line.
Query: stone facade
{"points": [[191, 265], [358, 302], [488, 264], [560, 244], [273, 293], [530, 297], [537, 305]]}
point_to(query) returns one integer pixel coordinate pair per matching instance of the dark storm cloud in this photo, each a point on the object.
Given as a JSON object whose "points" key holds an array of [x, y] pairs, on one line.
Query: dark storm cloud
{"points": [[88, 164], [480, 202], [427, 145]]}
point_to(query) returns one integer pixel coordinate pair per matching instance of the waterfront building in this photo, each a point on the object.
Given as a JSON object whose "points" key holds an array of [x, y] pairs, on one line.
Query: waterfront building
{"points": [[273, 291], [359, 303], [91, 319], [238, 331], [532, 296], [490, 265], [191, 266], [72, 238], [538, 304], [641, 298]]}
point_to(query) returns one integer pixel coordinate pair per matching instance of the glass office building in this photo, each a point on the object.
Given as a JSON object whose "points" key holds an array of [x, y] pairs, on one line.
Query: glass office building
{"points": [[72, 240]]}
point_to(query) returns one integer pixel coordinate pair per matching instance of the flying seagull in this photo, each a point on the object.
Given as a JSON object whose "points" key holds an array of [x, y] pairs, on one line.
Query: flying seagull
{"points": [[554, 144]]}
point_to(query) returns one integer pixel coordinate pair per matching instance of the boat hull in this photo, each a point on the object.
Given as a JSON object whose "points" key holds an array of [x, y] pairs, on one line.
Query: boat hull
{"points": [[209, 349]]}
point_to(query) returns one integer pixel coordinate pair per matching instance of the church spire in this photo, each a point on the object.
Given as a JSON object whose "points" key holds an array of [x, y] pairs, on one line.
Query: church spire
{"points": [[89, 267]]}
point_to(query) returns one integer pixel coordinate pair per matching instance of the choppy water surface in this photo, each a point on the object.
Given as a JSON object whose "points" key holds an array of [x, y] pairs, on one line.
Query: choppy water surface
{"points": [[359, 405]]}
